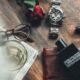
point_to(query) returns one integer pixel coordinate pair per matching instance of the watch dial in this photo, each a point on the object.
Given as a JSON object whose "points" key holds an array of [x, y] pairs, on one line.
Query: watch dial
{"points": [[55, 15]]}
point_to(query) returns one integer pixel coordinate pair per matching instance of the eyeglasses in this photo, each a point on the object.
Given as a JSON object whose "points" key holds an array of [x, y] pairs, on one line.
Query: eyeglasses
{"points": [[20, 32]]}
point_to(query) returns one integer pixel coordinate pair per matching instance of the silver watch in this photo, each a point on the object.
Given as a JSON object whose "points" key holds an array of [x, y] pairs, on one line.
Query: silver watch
{"points": [[55, 14]]}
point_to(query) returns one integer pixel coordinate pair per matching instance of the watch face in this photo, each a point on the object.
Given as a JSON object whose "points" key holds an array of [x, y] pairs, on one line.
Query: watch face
{"points": [[55, 15]]}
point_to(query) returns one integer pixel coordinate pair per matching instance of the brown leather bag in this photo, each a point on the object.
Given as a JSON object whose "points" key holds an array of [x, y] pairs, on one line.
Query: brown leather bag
{"points": [[51, 66]]}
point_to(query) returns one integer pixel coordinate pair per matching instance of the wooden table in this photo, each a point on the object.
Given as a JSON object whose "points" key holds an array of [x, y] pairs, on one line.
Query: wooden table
{"points": [[12, 15]]}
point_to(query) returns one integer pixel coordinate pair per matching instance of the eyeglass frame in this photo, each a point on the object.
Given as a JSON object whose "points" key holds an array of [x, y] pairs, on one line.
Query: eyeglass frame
{"points": [[12, 32]]}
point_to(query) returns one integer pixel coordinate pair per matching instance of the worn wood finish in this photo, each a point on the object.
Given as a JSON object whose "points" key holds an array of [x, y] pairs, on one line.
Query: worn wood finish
{"points": [[7, 16], [11, 15]]}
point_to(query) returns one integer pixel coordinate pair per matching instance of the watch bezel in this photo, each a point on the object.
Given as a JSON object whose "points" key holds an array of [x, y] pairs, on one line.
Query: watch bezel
{"points": [[53, 10]]}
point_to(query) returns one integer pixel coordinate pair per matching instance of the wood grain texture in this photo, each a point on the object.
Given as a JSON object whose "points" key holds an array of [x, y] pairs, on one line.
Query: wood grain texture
{"points": [[7, 15], [11, 15]]}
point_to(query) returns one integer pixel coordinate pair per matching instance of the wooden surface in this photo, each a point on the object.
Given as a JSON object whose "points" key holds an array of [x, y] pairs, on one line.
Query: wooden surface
{"points": [[11, 15]]}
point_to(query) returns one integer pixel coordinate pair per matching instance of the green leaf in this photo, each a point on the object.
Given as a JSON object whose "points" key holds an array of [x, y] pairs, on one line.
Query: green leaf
{"points": [[20, 2], [30, 4]]}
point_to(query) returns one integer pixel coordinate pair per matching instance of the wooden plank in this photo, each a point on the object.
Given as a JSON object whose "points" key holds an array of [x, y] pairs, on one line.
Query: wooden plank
{"points": [[71, 10]]}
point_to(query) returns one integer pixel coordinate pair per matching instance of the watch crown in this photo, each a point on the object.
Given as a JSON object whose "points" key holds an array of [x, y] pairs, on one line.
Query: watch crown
{"points": [[64, 17]]}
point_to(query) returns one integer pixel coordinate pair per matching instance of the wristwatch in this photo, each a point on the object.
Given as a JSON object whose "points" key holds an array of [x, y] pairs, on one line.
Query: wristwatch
{"points": [[55, 18], [55, 14]]}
